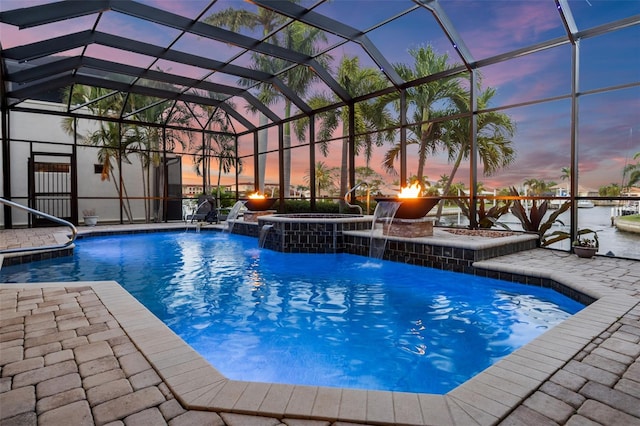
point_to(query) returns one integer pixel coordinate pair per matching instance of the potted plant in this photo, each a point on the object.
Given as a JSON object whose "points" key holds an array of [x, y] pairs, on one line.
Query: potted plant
{"points": [[586, 247], [90, 218]]}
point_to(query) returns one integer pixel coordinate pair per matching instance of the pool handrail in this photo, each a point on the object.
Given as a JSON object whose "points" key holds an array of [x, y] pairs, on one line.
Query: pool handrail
{"points": [[72, 238], [346, 197]]}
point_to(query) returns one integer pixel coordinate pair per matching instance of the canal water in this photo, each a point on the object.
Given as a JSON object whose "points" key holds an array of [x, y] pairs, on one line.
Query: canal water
{"points": [[620, 243]]}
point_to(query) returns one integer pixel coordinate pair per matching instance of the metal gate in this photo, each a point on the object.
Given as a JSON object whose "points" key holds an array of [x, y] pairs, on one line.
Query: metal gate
{"points": [[51, 187]]}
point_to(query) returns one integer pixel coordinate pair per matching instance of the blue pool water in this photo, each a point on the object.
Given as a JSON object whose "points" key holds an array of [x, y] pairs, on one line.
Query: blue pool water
{"points": [[328, 320]]}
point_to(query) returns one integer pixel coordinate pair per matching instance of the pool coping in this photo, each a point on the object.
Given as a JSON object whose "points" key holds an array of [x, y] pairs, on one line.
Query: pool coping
{"points": [[444, 238], [484, 399], [314, 218]]}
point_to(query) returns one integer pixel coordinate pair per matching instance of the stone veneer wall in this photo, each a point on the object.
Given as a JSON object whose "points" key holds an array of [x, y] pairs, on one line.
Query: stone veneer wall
{"points": [[328, 237], [309, 236], [250, 229]]}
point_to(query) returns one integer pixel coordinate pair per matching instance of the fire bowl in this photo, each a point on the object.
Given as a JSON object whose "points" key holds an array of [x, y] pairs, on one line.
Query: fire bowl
{"points": [[412, 208], [259, 204]]}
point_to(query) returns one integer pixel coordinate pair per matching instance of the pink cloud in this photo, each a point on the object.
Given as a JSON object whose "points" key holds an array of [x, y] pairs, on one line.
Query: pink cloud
{"points": [[183, 8], [507, 25], [527, 78], [19, 4], [530, 19], [12, 36]]}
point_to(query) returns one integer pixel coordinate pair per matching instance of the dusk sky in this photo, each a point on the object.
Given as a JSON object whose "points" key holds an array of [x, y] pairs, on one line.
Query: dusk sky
{"points": [[609, 121]]}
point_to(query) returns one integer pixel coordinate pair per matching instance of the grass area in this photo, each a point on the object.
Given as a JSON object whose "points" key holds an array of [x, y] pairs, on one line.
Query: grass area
{"points": [[631, 218]]}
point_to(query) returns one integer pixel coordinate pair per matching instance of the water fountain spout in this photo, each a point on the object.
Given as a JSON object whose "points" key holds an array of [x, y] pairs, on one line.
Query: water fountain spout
{"points": [[233, 215], [263, 234], [346, 196], [382, 218]]}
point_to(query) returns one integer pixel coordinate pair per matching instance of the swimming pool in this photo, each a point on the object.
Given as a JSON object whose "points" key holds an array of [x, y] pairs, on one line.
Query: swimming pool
{"points": [[331, 320]]}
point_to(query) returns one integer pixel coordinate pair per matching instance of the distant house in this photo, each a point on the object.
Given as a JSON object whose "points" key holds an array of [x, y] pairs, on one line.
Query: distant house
{"points": [[634, 191], [190, 190], [562, 190]]}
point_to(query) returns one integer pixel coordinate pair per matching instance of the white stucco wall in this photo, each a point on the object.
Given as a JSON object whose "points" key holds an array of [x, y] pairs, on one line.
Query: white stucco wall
{"points": [[44, 133]]}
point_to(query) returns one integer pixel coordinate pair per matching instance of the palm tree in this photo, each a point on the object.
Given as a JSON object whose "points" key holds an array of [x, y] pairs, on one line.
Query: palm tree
{"points": [[303, 39], [148, 142], [235, 20], [494, 138], [202, 162], [112, 138], [611, 190], [325, 178], [113, 149], [369, 116], [424, 99], [633, 170], [300, 190], [219, 146], [538, 187], [143, 141], [456, 189], [295, 36], [565, 174], [225, 153], [530, 185], [373, 179]]}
